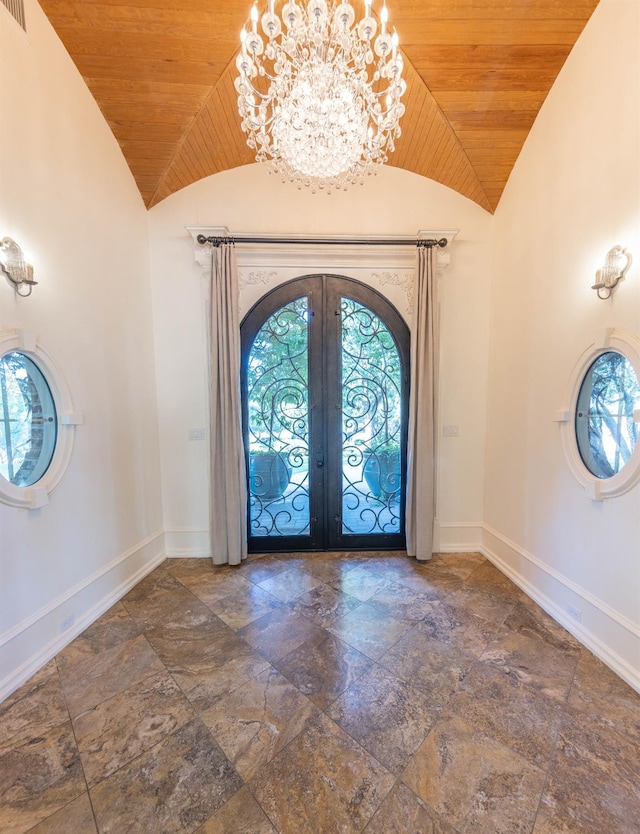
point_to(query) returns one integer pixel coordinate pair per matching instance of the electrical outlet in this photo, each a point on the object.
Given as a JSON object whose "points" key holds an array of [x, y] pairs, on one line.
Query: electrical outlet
{"points": [[574, 612], [68, 621], [450, 431], [196, 434]]}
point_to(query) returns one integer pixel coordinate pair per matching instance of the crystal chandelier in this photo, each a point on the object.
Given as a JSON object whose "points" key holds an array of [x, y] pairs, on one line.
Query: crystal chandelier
{"points": [[320, 100]]}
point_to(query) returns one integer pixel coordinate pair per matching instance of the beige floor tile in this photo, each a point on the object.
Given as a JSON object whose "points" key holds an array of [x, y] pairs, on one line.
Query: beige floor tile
{"points": [[369, 630], [74, 818], [323, 605], [290, 584], [436, 668], [114, 732], [188, 571], [509, 712], [474, 782], [435, 581], [174, 787], [531, 621], [38, 776], [213, 587], [487, 578], [244, 606], [323, 670], [178, 605], [280, 632], [94, 679], [156, 583], [594, 782], [240, 815], [402, 812], [457, 627], [327, 568], [361, 582], [391, 564], [603, 697], [460, 564], [533, 661], [256, 721], [386, 715], [206, 661], [39, 703], [115, 626], [402, 602], [490, 608], [258, 568], [322, 782]]}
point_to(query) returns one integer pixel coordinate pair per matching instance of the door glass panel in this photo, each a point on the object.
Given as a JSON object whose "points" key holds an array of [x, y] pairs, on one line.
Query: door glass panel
{"points": [[278, 424], [371, 423]]}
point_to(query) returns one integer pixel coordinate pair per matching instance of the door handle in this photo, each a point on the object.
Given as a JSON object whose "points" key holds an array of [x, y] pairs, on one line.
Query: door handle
{"points": [[319, 464]]}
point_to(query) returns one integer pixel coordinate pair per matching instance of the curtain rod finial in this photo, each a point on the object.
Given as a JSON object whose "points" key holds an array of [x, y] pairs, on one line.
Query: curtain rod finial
{"points": [[428, 243]]}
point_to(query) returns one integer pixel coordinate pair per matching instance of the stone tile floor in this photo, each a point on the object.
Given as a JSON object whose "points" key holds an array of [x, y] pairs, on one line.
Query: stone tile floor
{"points": [[323, 694]]}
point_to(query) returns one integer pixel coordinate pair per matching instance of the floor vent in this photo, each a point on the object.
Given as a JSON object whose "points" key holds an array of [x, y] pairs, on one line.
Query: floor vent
{"points": [[16, 7]]}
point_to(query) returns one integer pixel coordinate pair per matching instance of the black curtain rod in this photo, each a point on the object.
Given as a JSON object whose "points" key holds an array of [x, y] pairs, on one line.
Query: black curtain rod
{"points": [[324, 241]]}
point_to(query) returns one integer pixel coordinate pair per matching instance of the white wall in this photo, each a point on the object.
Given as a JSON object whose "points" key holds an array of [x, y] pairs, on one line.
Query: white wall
{"points": [[68, 198], [247, 199], [574, 193]]}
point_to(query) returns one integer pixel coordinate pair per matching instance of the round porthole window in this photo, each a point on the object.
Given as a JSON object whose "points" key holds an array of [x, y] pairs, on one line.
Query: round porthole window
{"points": [[28, 420], [601, 427], [606, 430], [37, 421]]}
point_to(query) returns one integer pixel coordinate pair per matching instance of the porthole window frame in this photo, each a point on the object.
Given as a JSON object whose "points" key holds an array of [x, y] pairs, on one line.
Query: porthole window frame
{"points": [[37, 495], [598, 489]]}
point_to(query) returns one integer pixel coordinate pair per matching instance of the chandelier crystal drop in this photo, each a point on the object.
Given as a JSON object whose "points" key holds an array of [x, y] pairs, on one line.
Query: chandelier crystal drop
{"points": [[319, 94]]}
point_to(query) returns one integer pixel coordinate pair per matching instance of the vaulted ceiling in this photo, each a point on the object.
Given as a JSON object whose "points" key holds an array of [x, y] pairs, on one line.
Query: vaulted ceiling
{"points": [[162, 72]]}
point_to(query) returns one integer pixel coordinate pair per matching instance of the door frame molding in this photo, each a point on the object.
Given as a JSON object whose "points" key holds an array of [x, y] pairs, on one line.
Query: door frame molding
{"points": [[388, 269]]}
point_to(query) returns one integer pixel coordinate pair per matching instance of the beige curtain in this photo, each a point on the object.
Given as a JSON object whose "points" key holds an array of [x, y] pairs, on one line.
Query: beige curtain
{"points": [[421, 445], [228, 489]]}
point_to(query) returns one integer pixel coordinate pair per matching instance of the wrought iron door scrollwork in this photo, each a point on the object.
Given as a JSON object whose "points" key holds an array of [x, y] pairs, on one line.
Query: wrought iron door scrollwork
{"points": [[371, 423], [278, 424]]}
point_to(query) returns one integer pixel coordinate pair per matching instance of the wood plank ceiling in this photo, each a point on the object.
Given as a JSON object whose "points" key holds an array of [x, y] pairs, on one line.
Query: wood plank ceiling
{"points": [[162, 72]]}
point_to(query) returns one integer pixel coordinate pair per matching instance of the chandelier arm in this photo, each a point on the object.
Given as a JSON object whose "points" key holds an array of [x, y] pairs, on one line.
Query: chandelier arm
{"points": [[264, 96], [321, 122]]}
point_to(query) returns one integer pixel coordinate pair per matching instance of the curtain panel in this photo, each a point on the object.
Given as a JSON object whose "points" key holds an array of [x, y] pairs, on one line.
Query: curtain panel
{"points": [[421, 441], [227, 473]]}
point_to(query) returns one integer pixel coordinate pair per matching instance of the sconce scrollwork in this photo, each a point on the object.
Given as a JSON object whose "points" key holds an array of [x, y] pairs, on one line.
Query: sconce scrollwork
{"points": [[616, 263], [16, 268]]}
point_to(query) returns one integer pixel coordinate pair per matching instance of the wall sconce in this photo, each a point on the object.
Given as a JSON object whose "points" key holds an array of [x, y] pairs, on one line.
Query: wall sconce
{"points": [[616, 263], [14, 266]]}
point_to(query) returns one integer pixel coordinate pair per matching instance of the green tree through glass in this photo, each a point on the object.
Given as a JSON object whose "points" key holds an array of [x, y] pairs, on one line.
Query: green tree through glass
{"points": [[607, 399]]}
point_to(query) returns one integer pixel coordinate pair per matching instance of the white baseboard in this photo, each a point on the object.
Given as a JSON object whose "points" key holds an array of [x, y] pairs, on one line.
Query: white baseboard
{"points": [[187, 542], [609, 635], [28, 646], [457, 536]]}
